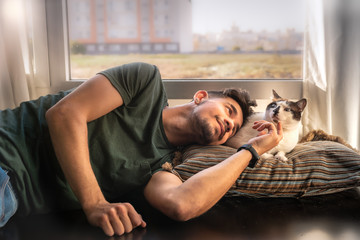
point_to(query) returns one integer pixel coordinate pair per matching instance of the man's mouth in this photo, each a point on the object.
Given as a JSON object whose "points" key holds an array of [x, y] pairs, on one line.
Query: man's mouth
{"points": [[222, 128]]}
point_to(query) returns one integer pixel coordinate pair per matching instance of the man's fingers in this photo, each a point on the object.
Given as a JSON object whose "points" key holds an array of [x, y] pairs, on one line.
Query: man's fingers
{"points": [[115, 218], [261, 125], [135, 218], [258, 125], [116, 223], [143, 223], [106, 226], [262, 133], [123, 214], [280, 129]]}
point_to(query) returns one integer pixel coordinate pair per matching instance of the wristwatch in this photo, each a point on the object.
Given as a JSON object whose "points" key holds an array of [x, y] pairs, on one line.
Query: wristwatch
{"points": [[255, 155]]}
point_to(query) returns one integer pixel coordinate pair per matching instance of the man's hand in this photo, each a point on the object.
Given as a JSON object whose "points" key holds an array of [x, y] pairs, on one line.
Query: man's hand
{"points": [[269, 136], [67, 121], [114, 218]]}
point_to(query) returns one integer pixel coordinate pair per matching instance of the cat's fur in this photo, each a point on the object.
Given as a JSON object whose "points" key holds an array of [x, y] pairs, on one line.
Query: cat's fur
{"points": [[280, 109], [320, 135]]}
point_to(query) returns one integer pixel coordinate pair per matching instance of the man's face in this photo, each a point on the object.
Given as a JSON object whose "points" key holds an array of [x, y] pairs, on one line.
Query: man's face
{"points": [[216, 119]]}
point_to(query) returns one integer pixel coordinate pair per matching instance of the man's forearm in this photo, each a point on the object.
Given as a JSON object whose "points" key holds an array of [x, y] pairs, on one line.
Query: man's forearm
{"points": [[69, 138], [183, 201], [209, 186]]}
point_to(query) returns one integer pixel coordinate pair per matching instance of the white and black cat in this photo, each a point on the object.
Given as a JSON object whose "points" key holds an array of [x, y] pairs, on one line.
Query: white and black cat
{"points": [[280, 109]]}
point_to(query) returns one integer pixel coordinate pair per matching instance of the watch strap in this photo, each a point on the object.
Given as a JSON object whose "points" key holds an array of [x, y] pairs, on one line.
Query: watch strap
{"points": [[255, 155]]}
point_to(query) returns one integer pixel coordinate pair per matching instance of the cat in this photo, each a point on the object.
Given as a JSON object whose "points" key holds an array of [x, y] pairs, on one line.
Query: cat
{"points": [[280, 109]]}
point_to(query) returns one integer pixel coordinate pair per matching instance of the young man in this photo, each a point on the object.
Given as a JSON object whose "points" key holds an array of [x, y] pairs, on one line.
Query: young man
{"points": [[110, 136]]}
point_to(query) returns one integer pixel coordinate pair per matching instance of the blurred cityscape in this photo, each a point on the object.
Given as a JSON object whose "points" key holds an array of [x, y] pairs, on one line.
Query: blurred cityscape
{"points": [[162, 26], [234, 40]]}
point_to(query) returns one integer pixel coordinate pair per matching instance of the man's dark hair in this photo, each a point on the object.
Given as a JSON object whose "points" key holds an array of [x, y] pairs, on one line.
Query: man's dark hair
{"points": [[241, 96]]}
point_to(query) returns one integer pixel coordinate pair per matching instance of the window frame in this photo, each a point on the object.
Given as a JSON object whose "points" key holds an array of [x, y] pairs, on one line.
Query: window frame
{"points": [[59, 67]]}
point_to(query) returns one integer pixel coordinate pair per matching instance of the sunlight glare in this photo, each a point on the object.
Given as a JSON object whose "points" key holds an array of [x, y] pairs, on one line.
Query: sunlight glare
{"points": [[12, 10], [317, 234]]}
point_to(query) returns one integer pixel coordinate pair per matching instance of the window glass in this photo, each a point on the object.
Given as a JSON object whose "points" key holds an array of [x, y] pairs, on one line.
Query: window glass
{"points": [[188, 39]]}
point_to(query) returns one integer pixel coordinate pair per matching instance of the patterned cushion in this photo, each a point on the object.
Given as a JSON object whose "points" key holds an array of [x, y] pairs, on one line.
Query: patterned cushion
{"points": [[313, 168]]}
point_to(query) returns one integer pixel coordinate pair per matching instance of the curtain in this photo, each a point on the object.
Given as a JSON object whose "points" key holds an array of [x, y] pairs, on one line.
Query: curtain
{"points": [[332, 68], [16, 73]]}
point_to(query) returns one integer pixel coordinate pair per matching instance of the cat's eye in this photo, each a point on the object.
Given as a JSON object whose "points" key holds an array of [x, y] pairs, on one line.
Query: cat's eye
{"points": [[273, 105], [287, 109]]}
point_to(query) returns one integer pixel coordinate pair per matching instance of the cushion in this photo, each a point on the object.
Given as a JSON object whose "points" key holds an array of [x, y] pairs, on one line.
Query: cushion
{"points": [[313, 168]]}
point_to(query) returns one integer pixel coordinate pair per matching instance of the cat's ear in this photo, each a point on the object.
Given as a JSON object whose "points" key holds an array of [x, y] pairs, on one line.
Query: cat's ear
{"points": [[276, 96], [301, 104]]}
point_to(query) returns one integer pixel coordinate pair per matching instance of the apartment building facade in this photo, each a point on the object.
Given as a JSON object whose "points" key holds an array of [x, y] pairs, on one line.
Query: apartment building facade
{"points": [[131, 26]]}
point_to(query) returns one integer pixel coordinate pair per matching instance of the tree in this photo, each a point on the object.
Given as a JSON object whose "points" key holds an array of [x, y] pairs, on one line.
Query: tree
{"points": [[77, 48]]}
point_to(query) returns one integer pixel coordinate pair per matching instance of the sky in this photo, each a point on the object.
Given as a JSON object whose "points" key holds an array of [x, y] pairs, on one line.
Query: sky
{"points": [[256, 15]]}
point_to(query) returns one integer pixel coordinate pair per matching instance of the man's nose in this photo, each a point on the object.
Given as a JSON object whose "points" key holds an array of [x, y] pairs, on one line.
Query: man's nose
{"points": [[229, 123]]}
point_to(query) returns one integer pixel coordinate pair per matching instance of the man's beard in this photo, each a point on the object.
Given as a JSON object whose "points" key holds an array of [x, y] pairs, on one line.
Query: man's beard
{"points": [[203, 127]]}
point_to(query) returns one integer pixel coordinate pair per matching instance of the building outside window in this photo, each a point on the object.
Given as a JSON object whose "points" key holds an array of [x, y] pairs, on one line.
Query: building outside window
{"points": [[197, 39]]}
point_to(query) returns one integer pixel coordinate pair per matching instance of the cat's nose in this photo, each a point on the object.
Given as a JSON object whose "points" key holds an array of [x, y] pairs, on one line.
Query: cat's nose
{"points": [[276, 110]]}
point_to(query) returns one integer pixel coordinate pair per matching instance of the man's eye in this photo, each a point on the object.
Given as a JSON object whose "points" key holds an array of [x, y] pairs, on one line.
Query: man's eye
{"points": [[229, 110]]}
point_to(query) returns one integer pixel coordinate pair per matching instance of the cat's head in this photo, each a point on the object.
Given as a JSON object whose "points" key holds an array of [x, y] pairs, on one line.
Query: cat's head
{"points": [[284, 110]]}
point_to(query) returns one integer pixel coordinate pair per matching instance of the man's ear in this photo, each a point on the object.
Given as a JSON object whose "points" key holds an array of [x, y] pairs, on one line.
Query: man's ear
{"points": [[200, 95]]}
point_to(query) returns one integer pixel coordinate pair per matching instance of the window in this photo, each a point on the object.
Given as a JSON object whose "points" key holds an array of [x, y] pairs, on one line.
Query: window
{"points": [[196, 44]]}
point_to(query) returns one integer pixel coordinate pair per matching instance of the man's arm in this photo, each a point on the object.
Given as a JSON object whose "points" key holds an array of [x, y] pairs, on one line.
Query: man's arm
{"points": [[67, 122], [183, 201]]}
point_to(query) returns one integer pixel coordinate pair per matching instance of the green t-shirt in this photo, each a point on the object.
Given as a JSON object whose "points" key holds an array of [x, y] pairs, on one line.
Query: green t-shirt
{"points": [[126, 145]]}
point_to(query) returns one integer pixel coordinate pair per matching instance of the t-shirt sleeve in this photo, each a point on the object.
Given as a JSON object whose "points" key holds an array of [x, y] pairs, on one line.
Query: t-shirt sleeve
{"points": [[130, 79]]}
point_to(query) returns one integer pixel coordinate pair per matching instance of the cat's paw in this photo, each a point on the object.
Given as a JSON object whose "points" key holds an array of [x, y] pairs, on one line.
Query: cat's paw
{"points": [[267, 156], [281, 156]]}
